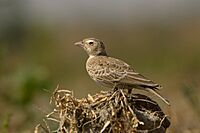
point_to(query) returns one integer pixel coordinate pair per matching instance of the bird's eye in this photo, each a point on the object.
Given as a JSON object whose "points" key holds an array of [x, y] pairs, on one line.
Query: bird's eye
{"points": [[91, 43]]}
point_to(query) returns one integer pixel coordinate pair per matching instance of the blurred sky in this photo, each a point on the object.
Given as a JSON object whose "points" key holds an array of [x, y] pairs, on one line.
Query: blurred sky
{"points": [[115, 12]]}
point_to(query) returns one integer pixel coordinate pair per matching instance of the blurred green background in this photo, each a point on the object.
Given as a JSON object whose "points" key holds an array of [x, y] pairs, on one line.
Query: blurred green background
{"points": [[161, 39]]}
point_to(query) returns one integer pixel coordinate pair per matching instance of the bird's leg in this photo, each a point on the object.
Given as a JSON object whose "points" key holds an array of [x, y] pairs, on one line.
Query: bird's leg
{"points": [[123, 86], [130, 89], [115, 88]]}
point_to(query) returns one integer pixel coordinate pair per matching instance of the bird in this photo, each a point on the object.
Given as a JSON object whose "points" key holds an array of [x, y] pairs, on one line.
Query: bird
{"points": [[112, 72]]}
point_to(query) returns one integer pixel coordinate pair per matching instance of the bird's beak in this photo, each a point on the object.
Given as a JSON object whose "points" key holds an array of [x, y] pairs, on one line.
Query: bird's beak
{"points": [[80, 44]]}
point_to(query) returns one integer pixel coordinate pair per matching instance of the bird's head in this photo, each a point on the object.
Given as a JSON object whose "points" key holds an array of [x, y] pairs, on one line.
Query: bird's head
{"points": [[92, 46]]}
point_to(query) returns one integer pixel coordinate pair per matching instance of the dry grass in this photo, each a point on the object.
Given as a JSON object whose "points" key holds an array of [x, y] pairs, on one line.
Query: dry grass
{"points": [[105, 112]]}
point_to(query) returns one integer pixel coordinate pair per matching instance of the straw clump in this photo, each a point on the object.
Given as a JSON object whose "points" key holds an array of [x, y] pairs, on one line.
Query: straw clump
{"points": [[105, 112]]}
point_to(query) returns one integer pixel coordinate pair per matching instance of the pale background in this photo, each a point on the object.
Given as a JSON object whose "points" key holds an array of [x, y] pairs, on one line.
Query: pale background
{"points": [[161, 39]]}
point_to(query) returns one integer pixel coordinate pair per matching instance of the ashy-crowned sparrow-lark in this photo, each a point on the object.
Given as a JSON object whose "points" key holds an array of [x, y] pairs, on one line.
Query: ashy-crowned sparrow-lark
{"points": [[112, 72]]}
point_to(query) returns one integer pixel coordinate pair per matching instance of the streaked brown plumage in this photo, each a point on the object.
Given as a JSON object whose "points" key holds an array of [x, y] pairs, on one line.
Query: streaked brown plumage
{"points": [[112, 72]]}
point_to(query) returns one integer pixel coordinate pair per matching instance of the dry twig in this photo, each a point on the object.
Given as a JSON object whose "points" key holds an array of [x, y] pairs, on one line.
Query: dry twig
{"points": [[105, 112]]}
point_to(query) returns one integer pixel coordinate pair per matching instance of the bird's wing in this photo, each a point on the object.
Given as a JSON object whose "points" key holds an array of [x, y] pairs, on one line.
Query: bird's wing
{"points": [[104, 69], [133, 78], [115, 70]]}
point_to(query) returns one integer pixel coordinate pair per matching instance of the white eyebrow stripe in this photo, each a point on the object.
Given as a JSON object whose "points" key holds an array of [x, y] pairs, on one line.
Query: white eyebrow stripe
{"points": [[89, 40]]}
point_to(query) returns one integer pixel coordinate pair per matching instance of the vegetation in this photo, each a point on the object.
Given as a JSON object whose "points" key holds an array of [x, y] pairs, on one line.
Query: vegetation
{"points": [[108, 111]]}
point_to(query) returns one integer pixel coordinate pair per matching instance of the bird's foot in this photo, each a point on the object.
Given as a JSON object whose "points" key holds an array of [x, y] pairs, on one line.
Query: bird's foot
{"points": [[130, 90], [115, 89]]}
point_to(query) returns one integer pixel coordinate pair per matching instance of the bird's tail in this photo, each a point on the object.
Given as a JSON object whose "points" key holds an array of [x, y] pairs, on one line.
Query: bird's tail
{"points": [[158, 95]]}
